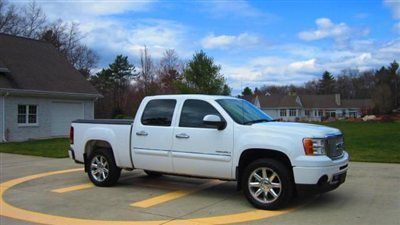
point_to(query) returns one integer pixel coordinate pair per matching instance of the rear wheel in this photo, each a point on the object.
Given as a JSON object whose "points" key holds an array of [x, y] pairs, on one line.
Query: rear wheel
{"points": [[153, 173], [267, 184], [103, 170]]}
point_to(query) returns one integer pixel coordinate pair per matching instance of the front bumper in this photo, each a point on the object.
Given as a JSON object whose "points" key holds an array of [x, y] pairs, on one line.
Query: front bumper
{"points": [[322, 186], [325, 176]]}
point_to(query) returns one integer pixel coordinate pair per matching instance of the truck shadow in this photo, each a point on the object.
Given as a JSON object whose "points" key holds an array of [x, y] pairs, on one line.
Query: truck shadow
{"points": [[226, 191]]}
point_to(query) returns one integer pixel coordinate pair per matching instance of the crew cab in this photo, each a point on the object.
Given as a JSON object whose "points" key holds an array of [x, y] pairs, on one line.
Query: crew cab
{"points": [[214, 137]]}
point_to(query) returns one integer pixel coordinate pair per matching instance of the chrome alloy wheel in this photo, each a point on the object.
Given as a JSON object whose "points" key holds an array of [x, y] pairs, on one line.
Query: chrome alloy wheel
{"points": [[99, 168], [265, 185]]}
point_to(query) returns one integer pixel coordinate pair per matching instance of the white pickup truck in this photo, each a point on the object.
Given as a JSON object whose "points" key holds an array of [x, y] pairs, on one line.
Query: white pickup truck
{"points": [[214, 137]]}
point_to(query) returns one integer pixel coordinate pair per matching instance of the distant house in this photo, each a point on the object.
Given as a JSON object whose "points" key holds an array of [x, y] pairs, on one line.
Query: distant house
{"points": [[40, 92], [312, 107]]}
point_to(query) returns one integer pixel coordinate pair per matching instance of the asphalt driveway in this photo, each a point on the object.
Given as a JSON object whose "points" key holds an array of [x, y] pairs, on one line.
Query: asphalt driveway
{"points": [[371, 195]]}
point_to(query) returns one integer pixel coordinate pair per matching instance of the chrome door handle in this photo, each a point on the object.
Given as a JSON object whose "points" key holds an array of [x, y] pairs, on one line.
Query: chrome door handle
{"points": [[142, 133], [183, 135]]}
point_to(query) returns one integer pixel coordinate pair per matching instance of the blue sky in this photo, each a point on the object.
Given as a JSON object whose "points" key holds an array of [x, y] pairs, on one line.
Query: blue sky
{"points": [[255, 42]]}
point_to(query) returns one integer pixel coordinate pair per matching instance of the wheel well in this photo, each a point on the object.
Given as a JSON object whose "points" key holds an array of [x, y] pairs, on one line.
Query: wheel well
{"points": [[93, 145], [251, 155], [96, 144]]}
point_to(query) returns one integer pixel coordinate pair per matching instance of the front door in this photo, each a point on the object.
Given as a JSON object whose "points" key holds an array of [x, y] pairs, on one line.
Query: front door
{"points": [[152, 136], [198, 149]]}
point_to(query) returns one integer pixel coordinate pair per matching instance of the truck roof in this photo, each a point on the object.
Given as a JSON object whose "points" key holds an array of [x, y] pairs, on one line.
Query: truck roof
{"points": [[195, 96]]}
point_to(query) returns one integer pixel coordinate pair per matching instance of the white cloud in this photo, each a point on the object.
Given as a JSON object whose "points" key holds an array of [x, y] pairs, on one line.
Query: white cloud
{"points": [[107, 27], [226, 41], [394, 5], [307, 65], [327, 29], [129, 37], [296, 65], [77, 10], [237, 9]]}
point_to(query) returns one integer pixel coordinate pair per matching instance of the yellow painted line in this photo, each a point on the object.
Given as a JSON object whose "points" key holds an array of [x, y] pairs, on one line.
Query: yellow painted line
{"points": [[174, 195], [36, 217], [73, 188]]}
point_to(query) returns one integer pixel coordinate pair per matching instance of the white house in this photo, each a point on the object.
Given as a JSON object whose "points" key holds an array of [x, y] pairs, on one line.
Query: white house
{"points": [[312, 107], [40, 92]]}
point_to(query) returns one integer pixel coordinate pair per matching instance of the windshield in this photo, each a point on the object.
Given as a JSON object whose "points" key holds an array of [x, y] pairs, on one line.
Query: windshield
{"points": [[243, 112]]}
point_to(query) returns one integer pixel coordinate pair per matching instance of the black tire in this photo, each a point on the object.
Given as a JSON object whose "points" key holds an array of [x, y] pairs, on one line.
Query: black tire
{"points": [[113, 174], [283, 177], [153, 173]]}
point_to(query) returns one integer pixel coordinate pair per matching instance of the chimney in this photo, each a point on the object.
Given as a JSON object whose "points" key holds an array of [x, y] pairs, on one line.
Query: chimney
{"points": [[337, 99]]}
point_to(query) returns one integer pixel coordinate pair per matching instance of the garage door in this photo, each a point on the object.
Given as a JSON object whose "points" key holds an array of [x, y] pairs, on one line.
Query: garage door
{"points": [[62, 113]]}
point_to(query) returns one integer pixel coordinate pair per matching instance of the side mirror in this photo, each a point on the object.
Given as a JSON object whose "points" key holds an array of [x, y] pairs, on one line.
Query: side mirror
{"points": [[214, 121]]}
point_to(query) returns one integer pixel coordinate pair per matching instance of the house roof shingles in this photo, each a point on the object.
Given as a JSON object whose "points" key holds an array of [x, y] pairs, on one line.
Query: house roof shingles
{"points": [[311, 101], [274, 101], [37, 65], [318, 101]]}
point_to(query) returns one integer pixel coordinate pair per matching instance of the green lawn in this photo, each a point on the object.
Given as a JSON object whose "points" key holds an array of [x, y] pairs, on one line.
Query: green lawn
{"points": [[365, 141], [55, 148], [371, 141]]}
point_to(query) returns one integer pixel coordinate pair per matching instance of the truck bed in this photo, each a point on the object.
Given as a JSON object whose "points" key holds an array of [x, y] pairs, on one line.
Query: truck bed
{"points": [[116, 132], [106, 121]]}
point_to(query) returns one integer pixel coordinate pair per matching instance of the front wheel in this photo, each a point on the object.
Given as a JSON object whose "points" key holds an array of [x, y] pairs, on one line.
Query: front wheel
{"points": [[103, 170], [267, 184]]}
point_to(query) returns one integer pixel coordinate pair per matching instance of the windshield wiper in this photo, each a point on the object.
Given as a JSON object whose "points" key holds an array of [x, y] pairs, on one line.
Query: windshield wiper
{"points": [[256, 121]]}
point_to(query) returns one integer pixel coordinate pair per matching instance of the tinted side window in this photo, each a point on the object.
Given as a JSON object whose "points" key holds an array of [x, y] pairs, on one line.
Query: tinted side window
{"points": [[193, 112], [159, 112]]}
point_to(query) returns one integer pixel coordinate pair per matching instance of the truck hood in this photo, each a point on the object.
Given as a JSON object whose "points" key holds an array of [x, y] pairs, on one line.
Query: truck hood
{"points": [[305, 129]]}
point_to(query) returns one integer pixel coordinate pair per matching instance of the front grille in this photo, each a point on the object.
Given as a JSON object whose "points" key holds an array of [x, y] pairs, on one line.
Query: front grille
{"points": [[335, 146]]}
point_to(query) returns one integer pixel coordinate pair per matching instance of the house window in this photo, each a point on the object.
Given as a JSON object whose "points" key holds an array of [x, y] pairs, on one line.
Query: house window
{"points": [[331, 113], [353, 114], [282, 112], [320, 112], [292, 112], [307, 112], [27, 115]]}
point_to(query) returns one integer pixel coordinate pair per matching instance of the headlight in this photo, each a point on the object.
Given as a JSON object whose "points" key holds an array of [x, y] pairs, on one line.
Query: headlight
{"points": [[314, 146]]}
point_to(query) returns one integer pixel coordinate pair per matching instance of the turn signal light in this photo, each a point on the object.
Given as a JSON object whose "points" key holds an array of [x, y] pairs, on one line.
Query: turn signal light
{"points": [[308, 146]]}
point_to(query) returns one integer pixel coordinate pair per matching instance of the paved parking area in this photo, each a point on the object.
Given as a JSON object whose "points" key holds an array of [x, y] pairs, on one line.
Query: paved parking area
{"points": [[371, 195]]}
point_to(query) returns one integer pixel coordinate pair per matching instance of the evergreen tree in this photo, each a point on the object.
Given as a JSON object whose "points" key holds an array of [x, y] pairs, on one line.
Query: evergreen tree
{"points": [[247, 92], [114, 81], [326, 84], [202, 76]]}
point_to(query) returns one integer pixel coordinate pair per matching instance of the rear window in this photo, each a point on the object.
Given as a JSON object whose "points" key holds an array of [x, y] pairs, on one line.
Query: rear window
{"points": [[159, 112]]}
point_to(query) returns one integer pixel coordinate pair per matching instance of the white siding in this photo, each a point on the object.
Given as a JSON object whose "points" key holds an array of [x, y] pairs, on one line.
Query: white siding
{"points": [[44, 127], [62, 114]]}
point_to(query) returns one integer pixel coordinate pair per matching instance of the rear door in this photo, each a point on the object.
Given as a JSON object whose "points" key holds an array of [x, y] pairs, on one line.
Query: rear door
{"points": [[198, 149], [152, 136]]}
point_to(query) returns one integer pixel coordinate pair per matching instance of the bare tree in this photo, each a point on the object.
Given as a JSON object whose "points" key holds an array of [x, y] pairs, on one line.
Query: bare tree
{"points": [[67, 39], [146, 78], [170, 71], [9, 19], [32, 21]]}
